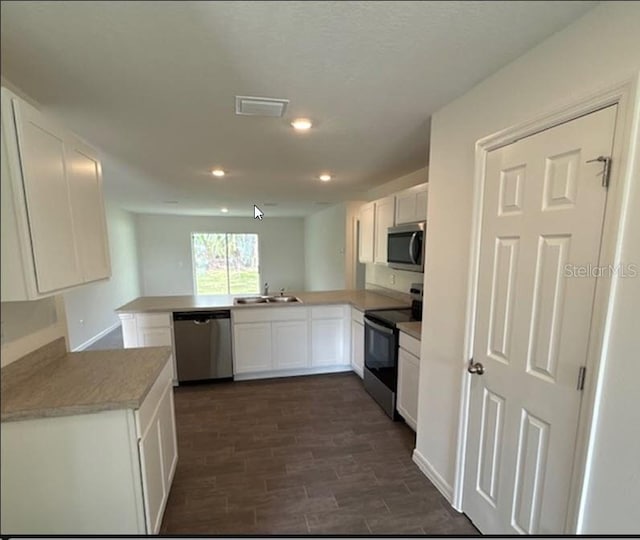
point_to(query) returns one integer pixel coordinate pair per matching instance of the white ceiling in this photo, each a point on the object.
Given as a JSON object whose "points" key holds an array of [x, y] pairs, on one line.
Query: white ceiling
{"points": [[153, 84]]}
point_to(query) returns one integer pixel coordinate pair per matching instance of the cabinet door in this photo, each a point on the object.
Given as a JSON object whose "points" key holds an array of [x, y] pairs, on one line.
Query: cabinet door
{"points": [[290, 345], [154, 337], [327, 342], [422, 197], [357, 348], [406, 207], [129, 330], [85, 186], [408, 378], [152, 475], [44, 175], [366, 233], [384, 216], [168, 441], [252, 347]]}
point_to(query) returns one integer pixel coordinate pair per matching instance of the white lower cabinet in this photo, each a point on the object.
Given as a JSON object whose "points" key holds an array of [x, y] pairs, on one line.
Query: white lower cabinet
{"points": [[275, 341], [158, 457], [149, 330], [290, 344], [408, 379], [357, 347], [107, 472], [252, 347], [327, 342]]}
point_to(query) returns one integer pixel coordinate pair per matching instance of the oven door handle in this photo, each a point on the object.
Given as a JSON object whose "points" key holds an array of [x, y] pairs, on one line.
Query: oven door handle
{"points": [[378, 327], [412, 243]]}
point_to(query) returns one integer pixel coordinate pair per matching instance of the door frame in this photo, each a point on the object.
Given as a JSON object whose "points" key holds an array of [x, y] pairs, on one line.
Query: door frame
{"points": [[625, 95]]}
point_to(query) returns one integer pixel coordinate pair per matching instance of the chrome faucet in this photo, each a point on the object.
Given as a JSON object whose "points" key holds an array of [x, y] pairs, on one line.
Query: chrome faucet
{"points": [[282, 291], [266, 289]]}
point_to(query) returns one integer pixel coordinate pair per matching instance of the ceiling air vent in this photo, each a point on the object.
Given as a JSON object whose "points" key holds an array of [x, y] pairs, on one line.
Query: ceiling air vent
{"points": [[259, 106]]}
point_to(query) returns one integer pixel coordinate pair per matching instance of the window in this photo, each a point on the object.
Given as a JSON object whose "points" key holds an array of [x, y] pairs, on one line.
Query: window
{"points": [[225, 263]]}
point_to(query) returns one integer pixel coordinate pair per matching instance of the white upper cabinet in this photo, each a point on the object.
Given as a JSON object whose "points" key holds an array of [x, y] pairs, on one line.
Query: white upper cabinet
{"points": [[53, 219], [384, 218], [366, 233], [85, 187], [411, 204]]}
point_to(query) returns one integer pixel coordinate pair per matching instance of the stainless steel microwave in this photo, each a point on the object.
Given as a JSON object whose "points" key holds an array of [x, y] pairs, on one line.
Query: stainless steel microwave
{"points": [[405, 246]]}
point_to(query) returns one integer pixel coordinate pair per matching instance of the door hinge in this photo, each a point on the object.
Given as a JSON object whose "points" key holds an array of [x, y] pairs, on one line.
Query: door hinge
{"points": [[581, 376], [606, 171]]}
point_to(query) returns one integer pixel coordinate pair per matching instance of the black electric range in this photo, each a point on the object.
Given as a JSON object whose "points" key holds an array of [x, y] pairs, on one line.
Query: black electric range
{"points": [[381, 350]]}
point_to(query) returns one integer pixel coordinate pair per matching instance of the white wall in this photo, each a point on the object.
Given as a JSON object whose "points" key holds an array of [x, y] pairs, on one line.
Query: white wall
{"points": [[164, 250], [90, 309], [600, 49], [325, 237]]}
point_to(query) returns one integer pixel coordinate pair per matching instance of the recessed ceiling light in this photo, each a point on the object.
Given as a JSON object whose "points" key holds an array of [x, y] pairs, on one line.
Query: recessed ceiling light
{"points": [[325, 177], [301, 124], [224, 210], [217, 172]]}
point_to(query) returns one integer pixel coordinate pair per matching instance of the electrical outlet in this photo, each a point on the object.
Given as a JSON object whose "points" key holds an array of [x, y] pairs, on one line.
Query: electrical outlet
{"points": [[81, 322], [392, 279]]}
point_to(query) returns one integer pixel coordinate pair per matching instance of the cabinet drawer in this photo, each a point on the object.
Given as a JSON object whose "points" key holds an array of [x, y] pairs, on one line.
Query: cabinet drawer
{"points": [[269, 313], [145, 413], [154, 320], [328, 312], [410, 344], [357, 316]]}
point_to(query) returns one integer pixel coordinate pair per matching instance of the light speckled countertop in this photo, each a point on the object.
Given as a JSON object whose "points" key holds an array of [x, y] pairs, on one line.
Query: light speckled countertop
{"points": [[414, 328], [52, 382], [363, 300]]}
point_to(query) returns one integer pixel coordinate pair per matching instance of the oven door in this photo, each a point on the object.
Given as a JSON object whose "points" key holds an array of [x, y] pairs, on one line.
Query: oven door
{"points": [[381, 352]]}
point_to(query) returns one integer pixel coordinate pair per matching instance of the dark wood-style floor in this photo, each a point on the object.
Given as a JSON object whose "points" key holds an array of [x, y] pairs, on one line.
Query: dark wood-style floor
{"points": [[304, 455]]}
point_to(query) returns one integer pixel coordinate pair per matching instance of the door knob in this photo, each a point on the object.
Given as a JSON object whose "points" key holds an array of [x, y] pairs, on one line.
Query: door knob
{"points": [[475, 368]]}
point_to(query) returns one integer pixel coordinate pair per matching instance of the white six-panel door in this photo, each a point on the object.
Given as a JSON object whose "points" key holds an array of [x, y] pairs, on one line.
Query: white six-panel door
{"points": [[543, 214]]}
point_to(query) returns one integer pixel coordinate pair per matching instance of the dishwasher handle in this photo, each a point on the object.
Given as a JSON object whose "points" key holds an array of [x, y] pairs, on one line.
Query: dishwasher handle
{"points": [[201, 321]]}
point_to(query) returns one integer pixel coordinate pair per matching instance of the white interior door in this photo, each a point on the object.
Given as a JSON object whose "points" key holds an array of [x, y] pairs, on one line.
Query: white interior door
{"points": [[543, 213]]}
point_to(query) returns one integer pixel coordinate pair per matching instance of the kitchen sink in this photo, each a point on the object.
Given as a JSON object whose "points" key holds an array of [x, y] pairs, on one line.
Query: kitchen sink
{"points": [[278, 299], [282, 299], [252, 300]]}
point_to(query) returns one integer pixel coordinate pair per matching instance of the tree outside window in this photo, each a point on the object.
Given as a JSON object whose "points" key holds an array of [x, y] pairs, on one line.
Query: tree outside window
{"points": [[225, 263]]}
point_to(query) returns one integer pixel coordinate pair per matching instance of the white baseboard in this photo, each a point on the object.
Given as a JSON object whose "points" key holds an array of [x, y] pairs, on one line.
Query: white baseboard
{"points": [[290, 373], [433, 475], [95, 338]]}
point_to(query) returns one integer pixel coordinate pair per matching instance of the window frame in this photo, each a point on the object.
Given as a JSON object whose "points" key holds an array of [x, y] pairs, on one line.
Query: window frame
{"points": [[194, 277]]}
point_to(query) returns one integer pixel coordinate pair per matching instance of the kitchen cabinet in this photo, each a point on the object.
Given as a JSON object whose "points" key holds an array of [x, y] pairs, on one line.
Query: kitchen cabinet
{"points": [[330, 336], [357, 342], [366, 233], [53, 218], [269, 340], [252, 347], [107, 472], [411, 204], [327, 343], [149, 330], [158, 457], [384, 218], [290, 344], [276, 342], [408, 379]]}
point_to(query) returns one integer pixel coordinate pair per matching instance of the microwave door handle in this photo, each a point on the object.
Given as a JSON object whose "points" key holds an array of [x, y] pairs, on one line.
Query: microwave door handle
{"points": [[378, 327], [412, 244]]}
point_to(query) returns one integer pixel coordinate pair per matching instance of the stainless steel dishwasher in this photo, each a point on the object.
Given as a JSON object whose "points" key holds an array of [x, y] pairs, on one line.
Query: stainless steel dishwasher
{"points": [[203, 345]]}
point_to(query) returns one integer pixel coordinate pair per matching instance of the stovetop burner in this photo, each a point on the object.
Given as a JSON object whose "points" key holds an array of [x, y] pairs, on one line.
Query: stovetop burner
{"points": [[392, 316]]}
